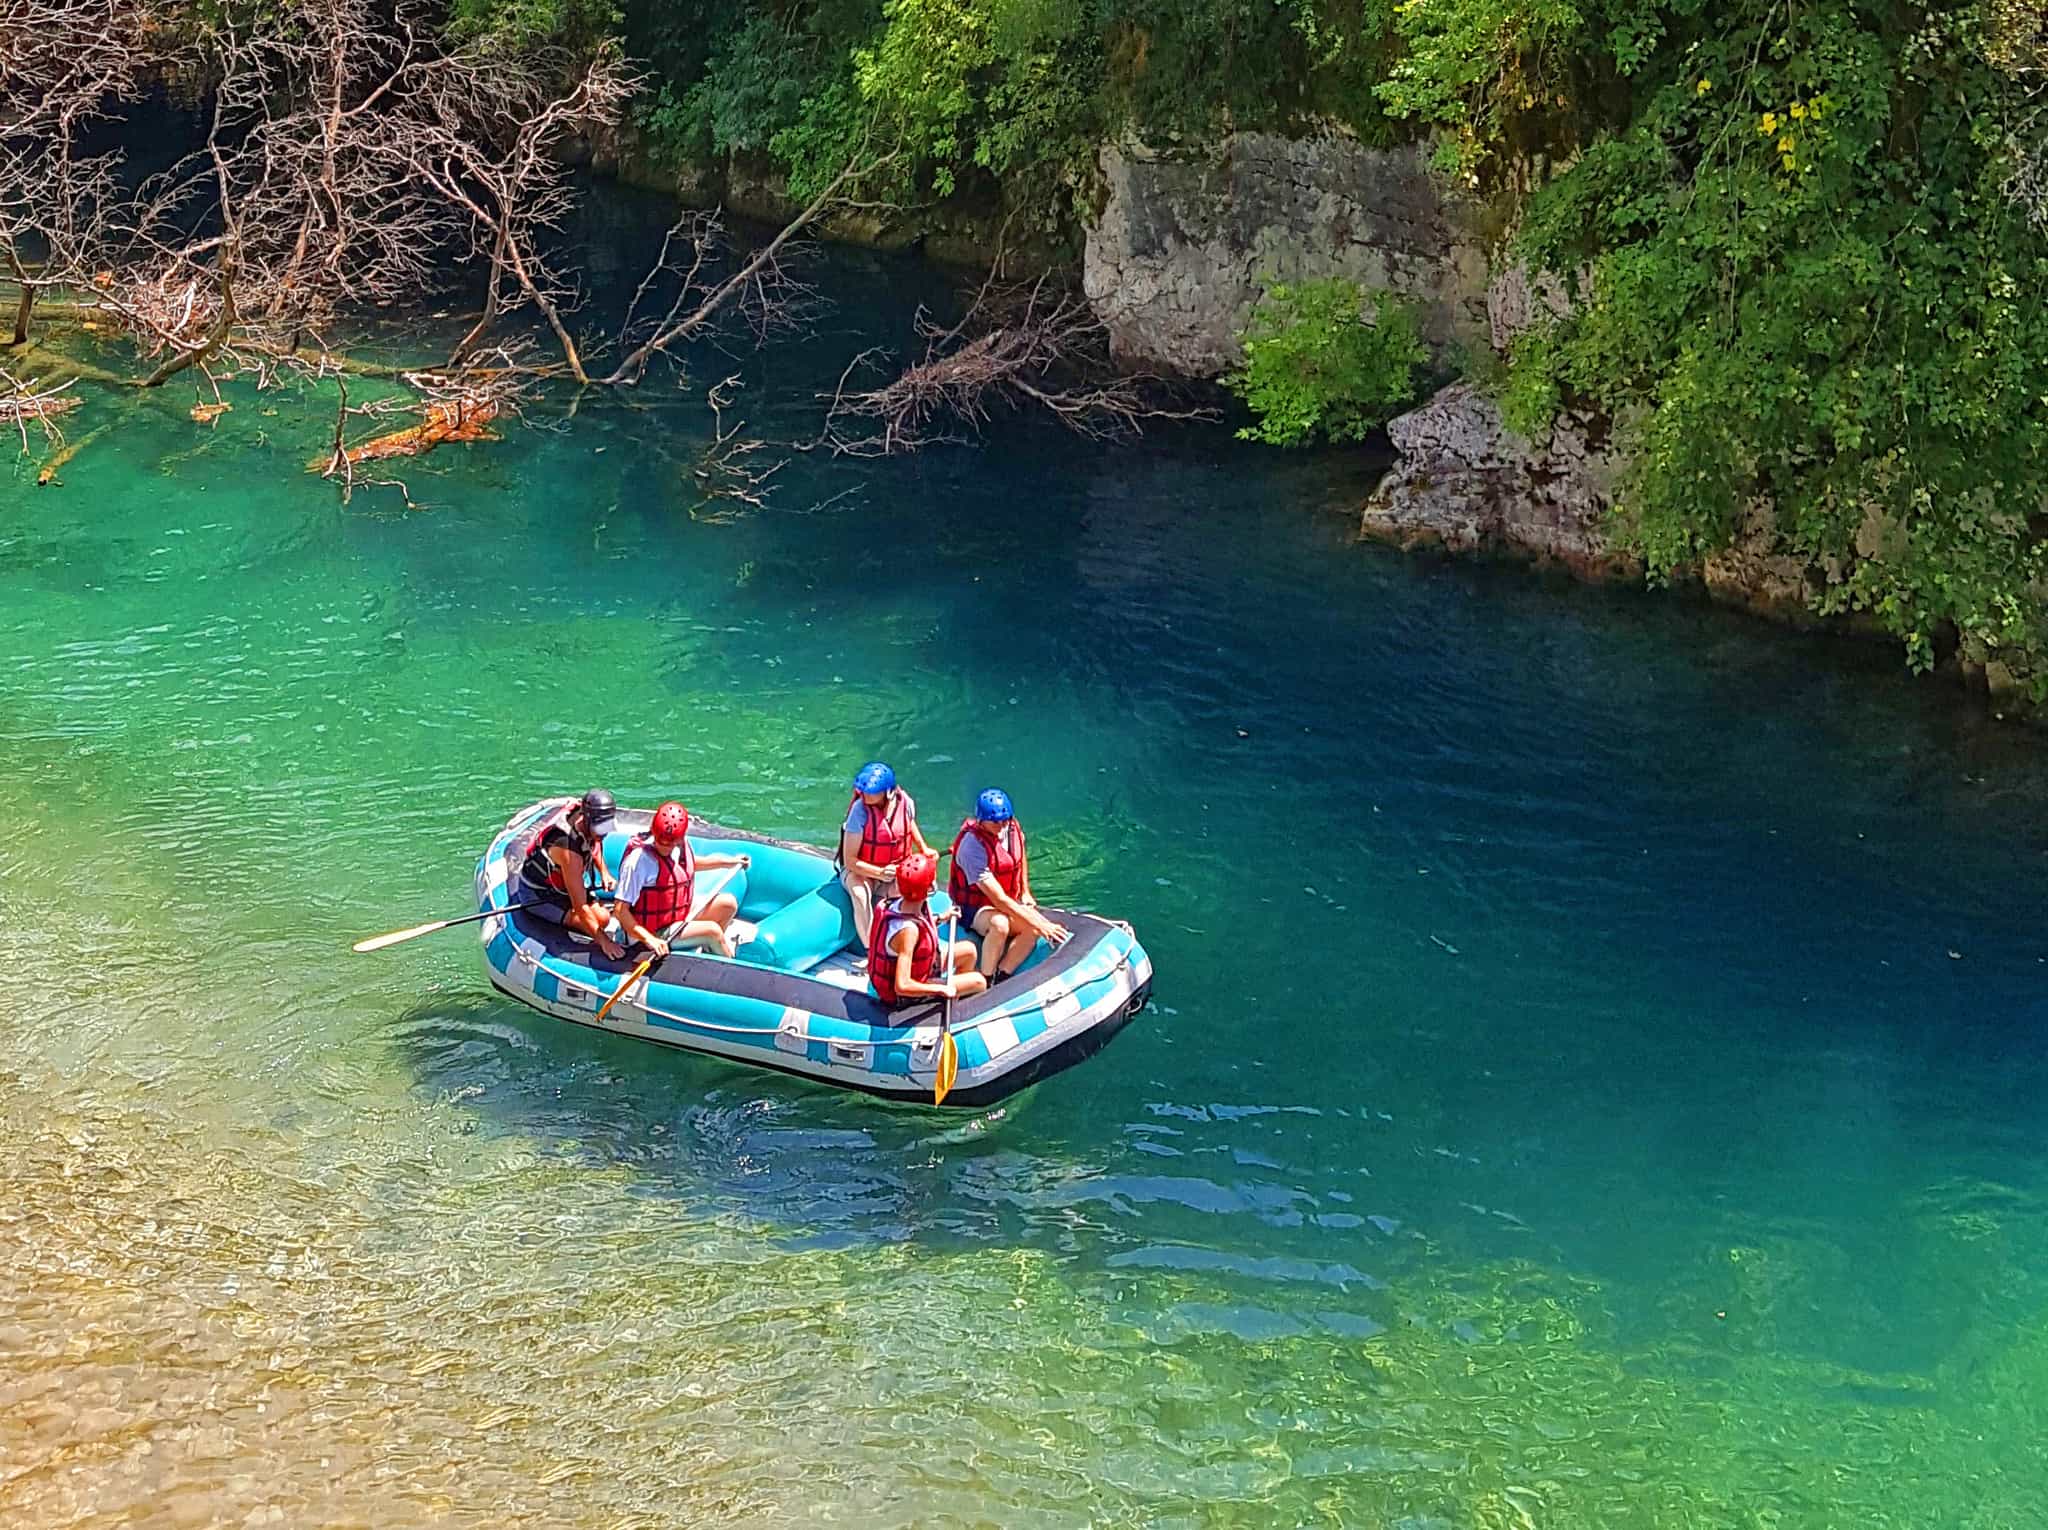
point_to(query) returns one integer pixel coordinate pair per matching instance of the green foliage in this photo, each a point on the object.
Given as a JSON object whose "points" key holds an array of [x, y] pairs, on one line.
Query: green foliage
{"points": [[1807, 244], [520, 24], [919, 80], [1314, 369], [1810, 298], [1024, 91]]}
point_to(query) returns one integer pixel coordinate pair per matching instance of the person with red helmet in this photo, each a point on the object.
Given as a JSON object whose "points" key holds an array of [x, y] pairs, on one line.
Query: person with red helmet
{"points": [[658, 881], [908, 960], [991, 882], [880, 829]]}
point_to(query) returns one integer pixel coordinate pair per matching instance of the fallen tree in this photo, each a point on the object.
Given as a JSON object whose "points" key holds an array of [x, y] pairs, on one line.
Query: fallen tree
{"points": [[351, 152], [28, 402], [1021, 348]]}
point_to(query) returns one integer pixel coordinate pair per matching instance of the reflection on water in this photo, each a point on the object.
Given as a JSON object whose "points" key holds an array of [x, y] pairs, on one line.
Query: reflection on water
{"points": [[1596, 1075]]}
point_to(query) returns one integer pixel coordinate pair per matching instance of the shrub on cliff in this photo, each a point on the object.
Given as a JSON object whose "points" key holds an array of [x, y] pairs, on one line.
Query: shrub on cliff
{"points": [[1315, 369], [1812, 278]]}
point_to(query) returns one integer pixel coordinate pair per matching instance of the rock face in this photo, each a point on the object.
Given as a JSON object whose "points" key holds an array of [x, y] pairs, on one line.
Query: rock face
{"points": [[1184, 247], [1518, 300], [1466, 483]]}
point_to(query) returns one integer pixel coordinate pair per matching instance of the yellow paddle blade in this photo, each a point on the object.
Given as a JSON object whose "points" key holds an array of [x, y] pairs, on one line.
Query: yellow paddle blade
{"points": [[949, 1068], [619, 992], [379, 942]]}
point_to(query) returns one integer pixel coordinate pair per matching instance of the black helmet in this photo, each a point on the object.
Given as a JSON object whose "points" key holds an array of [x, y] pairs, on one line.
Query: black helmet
{"points": [[599, 808]]}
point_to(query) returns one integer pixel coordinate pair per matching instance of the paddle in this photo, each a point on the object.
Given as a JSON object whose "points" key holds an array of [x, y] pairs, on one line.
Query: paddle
{"points": [[639, 972], [396, 937], [949, 1049]]}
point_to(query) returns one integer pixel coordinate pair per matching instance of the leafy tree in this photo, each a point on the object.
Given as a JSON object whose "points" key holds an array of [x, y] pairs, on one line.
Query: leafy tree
{"points": [[1315, 369], [1808, 294]]}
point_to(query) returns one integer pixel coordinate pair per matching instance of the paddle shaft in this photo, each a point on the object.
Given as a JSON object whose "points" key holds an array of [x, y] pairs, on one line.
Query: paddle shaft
{"points": [[948, 1061], [697, 904], [399, 937]]}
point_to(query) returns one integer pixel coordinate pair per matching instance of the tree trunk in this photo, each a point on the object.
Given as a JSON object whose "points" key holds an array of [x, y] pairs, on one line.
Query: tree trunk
{"points": [[22, 310], [172, 365], [491, 299]]}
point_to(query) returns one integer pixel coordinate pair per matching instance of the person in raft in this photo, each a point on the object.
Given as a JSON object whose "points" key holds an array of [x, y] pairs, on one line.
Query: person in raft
{"points": [[906, 956], [564, 858], [991, 882], [658, 881], [880, 829]]}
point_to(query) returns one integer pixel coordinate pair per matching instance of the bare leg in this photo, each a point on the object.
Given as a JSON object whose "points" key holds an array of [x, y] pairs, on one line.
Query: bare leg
{"points": [[966, 981], [708, 928], [860, 892], [595, 921], [1023, 941], [993, 926]]}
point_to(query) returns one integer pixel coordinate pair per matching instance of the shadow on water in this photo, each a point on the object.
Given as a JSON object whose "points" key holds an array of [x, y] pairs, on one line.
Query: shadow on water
{"points": [[813, 1167]]}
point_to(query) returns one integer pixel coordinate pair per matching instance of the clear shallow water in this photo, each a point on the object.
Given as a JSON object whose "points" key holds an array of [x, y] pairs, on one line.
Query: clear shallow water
{"points": [[1562, 1107]]}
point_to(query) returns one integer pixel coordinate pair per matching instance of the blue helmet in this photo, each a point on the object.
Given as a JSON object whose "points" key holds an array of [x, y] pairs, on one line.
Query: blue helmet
{"points": [[874, 777], [993, 806]]}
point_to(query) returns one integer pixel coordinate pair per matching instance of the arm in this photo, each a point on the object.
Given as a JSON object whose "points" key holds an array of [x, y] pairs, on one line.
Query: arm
{"points": [[1022, 910], [903, 945], [636, 931], [571, 865], [849, 855], [720, 862]]}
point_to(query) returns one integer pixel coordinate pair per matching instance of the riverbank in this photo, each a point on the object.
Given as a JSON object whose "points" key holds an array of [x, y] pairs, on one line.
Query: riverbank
{"points": [[1180, 246]]}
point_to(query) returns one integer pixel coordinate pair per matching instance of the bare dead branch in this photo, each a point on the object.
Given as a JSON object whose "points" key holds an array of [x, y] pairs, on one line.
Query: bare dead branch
{"points": [[1016, 348], [28, 402], [678, 326]]}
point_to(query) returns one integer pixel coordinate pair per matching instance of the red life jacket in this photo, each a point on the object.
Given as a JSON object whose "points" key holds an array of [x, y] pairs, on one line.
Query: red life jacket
{"points": [[924, 957], [885, 837], [665, 900], [1005, 859], [537, 868]]}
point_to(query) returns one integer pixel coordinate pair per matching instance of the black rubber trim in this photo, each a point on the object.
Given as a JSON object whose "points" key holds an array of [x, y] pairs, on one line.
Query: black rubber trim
{"points": [[1069, 1052]]}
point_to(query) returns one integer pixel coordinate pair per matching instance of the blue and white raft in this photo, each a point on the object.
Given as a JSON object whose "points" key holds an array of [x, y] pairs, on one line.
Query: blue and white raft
{"points": [[793, 999]]}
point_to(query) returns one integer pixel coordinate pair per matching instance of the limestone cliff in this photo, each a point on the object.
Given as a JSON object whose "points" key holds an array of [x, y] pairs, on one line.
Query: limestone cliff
{"points": [[1464, 482], [1184, 245]]}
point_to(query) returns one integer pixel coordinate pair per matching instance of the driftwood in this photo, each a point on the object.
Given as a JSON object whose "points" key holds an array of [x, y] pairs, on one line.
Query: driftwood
{"points": [[30, 403], [455, 419], [1036, 347], [47, 473]]}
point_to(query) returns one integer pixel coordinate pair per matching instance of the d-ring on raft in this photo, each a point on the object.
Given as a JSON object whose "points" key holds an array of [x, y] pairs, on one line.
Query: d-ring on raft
{"points": [[794, 998]]}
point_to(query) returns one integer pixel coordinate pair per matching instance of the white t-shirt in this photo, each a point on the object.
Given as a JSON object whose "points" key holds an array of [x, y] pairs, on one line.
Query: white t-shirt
{"points": [[639, 867]]}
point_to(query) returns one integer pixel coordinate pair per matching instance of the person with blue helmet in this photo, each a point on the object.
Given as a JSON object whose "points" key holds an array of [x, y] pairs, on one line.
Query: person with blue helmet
{"points": [[879, 831], [991, 883]]}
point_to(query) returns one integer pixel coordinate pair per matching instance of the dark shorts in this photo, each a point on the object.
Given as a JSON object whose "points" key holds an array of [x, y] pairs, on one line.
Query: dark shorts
{"points": [[549, 903]]}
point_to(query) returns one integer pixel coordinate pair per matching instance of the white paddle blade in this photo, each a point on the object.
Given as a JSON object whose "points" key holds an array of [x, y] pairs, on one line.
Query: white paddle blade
{"points": [[379, 942]]}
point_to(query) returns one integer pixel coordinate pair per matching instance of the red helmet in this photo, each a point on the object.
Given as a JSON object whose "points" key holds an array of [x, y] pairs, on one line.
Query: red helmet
{"points": [[671, 820], [915, 875]]}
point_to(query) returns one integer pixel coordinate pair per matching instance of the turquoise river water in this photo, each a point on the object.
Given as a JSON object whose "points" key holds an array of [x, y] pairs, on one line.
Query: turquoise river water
{"points": [[1597, 1074]]}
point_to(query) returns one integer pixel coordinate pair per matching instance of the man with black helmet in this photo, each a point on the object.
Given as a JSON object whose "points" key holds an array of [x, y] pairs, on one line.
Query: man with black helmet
{"points": [[564, 863]]}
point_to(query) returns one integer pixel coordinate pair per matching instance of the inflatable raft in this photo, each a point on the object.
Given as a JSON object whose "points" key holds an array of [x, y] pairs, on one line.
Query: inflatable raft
{"points": [[793, 998]]}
